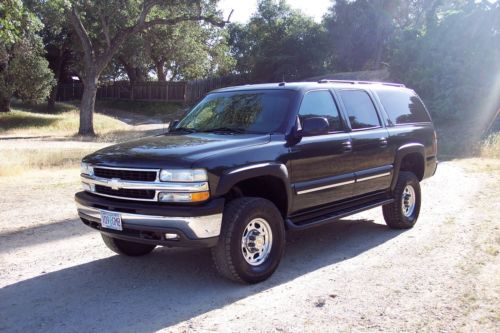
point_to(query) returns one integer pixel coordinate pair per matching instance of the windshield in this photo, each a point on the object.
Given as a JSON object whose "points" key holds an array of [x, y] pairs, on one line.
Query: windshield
{"points": [[258, 111]]}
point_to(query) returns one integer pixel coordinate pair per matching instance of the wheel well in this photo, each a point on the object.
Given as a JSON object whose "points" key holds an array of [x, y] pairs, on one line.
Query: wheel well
{"points": [[267, 187], [414, 162]]}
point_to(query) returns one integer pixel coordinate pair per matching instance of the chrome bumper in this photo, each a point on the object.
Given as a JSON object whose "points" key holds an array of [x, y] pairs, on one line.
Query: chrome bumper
{"points": [[198, 227]]}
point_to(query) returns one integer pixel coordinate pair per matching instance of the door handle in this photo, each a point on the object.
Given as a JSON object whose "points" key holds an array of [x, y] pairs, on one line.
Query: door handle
{"points": [[347, 146], [383, 142]]}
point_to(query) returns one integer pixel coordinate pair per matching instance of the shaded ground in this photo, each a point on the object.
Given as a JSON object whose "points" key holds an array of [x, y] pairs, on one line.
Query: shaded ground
{"points": [[353, 275]]}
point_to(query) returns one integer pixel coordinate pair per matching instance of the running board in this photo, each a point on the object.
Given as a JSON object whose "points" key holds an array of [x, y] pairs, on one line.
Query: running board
{"points": [[332, 217]]}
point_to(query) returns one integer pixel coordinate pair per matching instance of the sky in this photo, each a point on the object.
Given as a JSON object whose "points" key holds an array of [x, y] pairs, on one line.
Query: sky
{"points": [[243, 9]]}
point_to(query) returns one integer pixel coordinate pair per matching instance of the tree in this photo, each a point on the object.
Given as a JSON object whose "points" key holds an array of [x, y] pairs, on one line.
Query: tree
{"points": [[453, 68], [359, 33], [57, 38], [23, 69], [103, 27], [189, 50], [133, 59], [278, 43]]}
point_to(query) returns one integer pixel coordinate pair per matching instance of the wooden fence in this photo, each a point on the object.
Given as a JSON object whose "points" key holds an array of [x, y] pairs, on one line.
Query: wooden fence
{"points": [[187, 92], [197, 89]]}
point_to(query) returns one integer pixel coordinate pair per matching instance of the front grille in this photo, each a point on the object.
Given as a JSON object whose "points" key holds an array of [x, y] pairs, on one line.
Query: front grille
{"points": [[146, 176], [126, 193]]}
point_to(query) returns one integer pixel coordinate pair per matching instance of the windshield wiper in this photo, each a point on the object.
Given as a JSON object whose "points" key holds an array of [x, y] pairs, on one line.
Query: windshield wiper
{"points": [[225, 130]]}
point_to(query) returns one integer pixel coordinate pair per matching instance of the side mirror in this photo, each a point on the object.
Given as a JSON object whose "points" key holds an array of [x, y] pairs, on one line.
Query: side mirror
{"points": [[173, 124], [315, 126]]}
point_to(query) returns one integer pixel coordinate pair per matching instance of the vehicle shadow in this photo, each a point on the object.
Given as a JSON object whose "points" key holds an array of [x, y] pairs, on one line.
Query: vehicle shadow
{"points": [[169, 286]]}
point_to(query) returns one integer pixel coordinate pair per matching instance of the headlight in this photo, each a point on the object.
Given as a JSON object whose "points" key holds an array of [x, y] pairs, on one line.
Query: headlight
{"points": [[183, 175], [86, 169]]}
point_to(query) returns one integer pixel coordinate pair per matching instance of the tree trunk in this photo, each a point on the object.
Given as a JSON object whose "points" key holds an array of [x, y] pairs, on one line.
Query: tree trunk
{"points": [[160, 72], [51, 100], [87, 105], [135, 74], [58, 69], [5, 104]]}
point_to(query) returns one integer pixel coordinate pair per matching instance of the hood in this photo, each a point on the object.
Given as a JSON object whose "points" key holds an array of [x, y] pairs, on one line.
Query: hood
{"points": [[171, 150]]}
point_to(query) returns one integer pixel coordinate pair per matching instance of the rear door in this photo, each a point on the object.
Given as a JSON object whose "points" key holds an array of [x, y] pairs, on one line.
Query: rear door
{"points": [[321, 164], [372, 159]]}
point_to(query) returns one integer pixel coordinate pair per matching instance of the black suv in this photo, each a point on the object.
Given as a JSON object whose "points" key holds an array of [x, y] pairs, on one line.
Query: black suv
{"points": [[249, 162]]}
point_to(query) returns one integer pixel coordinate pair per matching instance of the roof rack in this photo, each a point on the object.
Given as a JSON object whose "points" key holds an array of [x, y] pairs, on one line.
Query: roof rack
{"points": [[362, 82]]}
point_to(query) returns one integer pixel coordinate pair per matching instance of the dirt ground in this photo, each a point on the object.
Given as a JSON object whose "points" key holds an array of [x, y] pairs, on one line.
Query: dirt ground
{"points": [[355, 275]]}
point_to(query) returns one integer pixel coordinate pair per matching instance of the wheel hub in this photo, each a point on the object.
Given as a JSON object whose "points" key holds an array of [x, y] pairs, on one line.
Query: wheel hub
{"points": [[256, 241], [408, 201]]}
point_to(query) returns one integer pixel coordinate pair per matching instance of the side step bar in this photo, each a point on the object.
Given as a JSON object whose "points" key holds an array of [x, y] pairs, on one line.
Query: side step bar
{"points": [[332, 217]]}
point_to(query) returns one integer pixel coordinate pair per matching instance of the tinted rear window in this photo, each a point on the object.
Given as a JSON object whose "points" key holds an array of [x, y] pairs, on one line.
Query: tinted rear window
{"points": [[403, 107], [359, 107]]}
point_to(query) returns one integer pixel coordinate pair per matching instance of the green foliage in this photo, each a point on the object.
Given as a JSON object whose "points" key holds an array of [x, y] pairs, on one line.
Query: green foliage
{"points": [[15, 22], [454, 64], [23, 69], [278, 43], [29, 76], [188, 50], [359, 32]]}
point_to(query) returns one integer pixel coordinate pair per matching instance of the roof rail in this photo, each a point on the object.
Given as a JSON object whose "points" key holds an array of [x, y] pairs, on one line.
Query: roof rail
{"points": [[363, 82]]}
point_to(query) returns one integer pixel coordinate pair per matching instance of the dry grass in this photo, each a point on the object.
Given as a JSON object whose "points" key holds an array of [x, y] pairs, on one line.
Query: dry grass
{"points": [[477, 164], [18, 161], [490, 147], [63, 122]]}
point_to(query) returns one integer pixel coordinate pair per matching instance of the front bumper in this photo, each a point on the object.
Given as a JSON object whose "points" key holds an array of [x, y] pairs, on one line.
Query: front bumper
{"points": [[196, 226]]}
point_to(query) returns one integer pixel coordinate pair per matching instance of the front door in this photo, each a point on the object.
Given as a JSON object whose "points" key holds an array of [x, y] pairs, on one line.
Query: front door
{"points": [[321, 164]]}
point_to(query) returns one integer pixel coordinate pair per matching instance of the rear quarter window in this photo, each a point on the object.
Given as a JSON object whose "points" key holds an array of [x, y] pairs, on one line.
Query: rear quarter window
{"points": [[403, 106]]}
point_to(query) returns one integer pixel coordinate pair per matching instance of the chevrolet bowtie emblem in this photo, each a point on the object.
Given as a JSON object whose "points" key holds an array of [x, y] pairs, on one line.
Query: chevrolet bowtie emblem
{"points": [[114, 184]]}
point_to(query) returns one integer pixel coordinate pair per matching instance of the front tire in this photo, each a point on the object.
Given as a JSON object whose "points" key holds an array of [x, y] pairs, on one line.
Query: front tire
{"points": [[403, 212], [127, 248], [252, 240]]}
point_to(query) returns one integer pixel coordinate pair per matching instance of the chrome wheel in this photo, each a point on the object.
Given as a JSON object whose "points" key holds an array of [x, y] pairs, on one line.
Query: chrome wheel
{"points": [[256, 242], [408, 201]]}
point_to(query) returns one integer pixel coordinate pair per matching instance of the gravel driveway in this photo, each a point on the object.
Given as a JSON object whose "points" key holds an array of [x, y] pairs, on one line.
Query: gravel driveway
{"points": [[354, 275]]}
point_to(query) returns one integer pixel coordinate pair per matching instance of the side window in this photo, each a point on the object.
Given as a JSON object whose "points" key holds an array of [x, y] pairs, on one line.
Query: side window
{"points": [[403, 107], [360, 109], [321, 104]]}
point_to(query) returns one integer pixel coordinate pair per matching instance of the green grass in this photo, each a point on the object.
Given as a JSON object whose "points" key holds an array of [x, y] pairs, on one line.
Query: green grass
{"points": [[36, 120], [161, 110]]}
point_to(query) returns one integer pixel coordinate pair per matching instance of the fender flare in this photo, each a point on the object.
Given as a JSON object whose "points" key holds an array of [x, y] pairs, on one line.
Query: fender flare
{"points": [[235, 175], [401, 152]]}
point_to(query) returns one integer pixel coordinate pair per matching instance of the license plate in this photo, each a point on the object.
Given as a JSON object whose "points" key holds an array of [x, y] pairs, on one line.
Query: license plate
{"points": [[111, 220]]}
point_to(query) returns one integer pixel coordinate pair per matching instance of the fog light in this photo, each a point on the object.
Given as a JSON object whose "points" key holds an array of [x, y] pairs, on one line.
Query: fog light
{"points": [[169, 236], [88, 187], [183, 197]]}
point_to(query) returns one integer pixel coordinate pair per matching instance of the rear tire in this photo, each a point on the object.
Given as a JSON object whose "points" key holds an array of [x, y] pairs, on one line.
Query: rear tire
{"points": [[127, 248], [252, 240], [403, 212]]}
